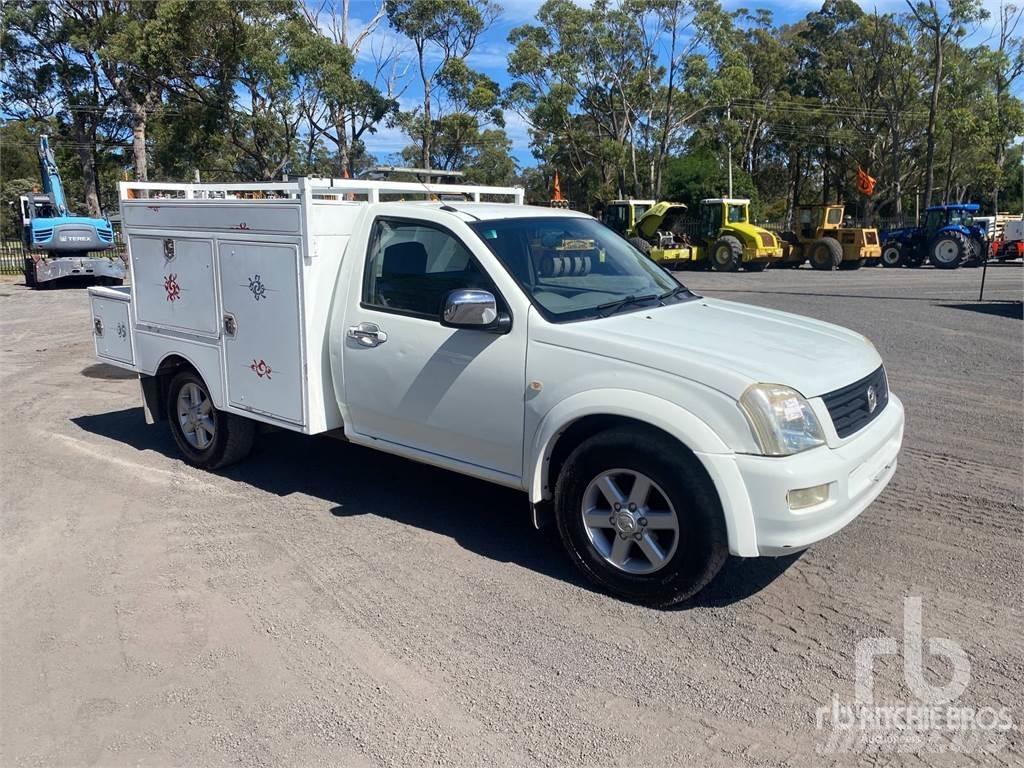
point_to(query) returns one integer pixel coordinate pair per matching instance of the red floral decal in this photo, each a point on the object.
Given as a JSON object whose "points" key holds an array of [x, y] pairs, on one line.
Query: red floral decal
{"points": [[172, 287], [261, 369]]}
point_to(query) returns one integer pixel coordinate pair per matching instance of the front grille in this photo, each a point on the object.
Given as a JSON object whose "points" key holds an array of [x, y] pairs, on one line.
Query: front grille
{"points": [[849, 407], [106, 235], [767, 240], [42, 235], [871, 238]]}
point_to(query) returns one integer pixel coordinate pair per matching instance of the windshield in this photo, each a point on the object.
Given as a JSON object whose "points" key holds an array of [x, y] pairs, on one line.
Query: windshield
{"points": [[576, 267], [737, 214]]}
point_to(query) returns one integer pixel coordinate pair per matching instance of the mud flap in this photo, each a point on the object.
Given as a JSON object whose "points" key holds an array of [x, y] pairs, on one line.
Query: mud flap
{"points": [[152, 398]]}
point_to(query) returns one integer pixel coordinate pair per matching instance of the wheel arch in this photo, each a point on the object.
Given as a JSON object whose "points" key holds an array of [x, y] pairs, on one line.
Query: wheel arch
{"points": [[155, 385], [579, 417]]}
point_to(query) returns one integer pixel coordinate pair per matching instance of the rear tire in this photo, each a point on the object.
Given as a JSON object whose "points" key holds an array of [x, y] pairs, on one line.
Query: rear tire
{"points": [[826, 254], [206, 437], [726, 254], [892, 256], [657, 565]]}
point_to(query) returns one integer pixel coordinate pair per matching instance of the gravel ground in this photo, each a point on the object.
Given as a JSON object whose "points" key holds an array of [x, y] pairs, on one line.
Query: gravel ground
{"points": [[326, 605]]}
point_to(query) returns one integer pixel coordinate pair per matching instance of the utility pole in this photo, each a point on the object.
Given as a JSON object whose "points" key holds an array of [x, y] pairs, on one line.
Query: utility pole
{"points": [[728, 119]]}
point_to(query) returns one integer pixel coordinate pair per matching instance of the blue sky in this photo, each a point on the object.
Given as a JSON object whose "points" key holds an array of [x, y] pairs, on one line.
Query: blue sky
{"points": [[492, 49]]}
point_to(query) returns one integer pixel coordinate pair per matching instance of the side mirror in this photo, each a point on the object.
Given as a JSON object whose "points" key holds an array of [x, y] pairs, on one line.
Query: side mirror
{"points": [[471, 308]]}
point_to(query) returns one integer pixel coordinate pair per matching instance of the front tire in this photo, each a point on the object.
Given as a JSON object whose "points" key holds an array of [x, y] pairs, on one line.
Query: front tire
{"points": [[640, 517], [892, 256], [948, 250], [206, 437], [641, 245], [726, 254]]}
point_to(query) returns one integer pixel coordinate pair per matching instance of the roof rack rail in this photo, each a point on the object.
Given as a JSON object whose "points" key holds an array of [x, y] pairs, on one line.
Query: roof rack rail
{"points": [[349, 190]]}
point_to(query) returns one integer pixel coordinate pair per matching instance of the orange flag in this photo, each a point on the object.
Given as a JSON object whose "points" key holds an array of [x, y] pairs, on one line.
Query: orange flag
{"points": [[558, 188], [865, 183]]}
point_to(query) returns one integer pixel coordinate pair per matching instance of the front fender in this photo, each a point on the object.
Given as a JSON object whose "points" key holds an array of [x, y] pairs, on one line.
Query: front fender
{"points": [[715, 456]]}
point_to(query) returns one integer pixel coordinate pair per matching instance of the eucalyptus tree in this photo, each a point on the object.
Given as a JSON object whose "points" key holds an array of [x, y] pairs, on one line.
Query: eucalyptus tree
{"points": [[50, 74], [442, 33], [940, 24]]}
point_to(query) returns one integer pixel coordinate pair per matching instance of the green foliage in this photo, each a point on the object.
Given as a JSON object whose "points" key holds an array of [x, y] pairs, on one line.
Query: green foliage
{"points": [[701, 174]]}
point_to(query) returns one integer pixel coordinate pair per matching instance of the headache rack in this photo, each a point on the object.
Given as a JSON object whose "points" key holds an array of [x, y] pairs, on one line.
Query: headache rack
{"points": [[322, 189]]}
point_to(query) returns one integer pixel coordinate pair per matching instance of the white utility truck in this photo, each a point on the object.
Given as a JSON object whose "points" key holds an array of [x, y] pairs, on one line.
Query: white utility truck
{"points": [[532, 347]]}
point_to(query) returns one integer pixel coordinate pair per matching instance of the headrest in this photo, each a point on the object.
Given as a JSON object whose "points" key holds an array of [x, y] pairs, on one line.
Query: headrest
{"points": [[408, 258]]}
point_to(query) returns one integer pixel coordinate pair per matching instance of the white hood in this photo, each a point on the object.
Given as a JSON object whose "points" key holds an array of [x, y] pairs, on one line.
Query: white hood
{"points": [[727, 346]]}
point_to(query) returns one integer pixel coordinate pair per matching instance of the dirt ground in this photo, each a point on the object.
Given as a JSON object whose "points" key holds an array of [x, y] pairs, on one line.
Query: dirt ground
{"points": [[323, 604]]}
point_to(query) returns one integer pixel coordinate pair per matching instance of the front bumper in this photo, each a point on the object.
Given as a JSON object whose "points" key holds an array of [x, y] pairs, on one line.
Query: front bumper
{"points": [[856, 471], [74, 266], [766, 254]]}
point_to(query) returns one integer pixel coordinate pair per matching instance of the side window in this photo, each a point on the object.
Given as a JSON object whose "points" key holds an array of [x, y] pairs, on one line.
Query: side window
{"points": [[411, 267], [835, 215]]}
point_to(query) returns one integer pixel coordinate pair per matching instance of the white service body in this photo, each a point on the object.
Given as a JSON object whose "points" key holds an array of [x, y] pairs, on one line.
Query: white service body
{"points": [[260, 297]]}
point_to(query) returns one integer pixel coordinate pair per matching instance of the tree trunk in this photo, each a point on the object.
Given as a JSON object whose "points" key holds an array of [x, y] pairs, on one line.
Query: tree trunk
{"points": [[793, 196], [428, 126], [933, 109], [139, 144], [667, 125], [83, 146]]}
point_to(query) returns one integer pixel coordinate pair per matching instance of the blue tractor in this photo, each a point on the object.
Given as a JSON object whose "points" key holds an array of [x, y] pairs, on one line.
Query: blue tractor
{"points": [[59, 241], [949, 238]]}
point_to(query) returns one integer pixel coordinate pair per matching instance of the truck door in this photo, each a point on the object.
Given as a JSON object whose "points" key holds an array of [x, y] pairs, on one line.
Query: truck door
{"points": [[455, 393]]}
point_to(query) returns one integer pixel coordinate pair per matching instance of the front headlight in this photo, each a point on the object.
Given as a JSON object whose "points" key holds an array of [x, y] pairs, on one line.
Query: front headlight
{"points": [[781, 419]]}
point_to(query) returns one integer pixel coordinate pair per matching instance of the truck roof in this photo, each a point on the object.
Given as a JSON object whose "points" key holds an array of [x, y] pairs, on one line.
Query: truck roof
{"points": [[468, 211], [731, 200]]}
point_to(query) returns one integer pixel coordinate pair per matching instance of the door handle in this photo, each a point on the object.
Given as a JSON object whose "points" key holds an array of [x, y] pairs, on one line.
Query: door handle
{"points": [[367, 334], [230, 324]]}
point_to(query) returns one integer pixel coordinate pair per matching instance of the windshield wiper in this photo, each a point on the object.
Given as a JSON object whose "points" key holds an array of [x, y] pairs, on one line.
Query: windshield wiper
{"points": [[674, 292], [615, 306]]}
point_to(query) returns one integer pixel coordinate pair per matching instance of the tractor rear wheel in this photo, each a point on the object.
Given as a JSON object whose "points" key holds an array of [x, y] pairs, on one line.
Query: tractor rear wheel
{"points": [[851, 264], [726, 254], [975, 252], [892, 256], [641, 245], [948, 250], [826, 254]]}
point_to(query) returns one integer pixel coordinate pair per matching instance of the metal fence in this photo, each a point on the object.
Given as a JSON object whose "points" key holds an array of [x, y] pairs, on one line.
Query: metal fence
{"points": [[13, 253]]}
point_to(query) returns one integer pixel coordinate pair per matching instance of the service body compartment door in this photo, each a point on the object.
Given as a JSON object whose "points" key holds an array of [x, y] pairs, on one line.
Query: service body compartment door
{"points": [[111, 326], [262, 328], [173, 281]]}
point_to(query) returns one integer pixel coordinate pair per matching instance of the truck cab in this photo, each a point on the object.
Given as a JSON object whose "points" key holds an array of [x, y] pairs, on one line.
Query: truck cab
{"points": [[622, 215], [658, 430]]}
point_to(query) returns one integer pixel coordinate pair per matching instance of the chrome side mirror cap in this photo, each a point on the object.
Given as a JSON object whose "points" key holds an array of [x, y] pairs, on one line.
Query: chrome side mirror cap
{"points": [[470, 308]]}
